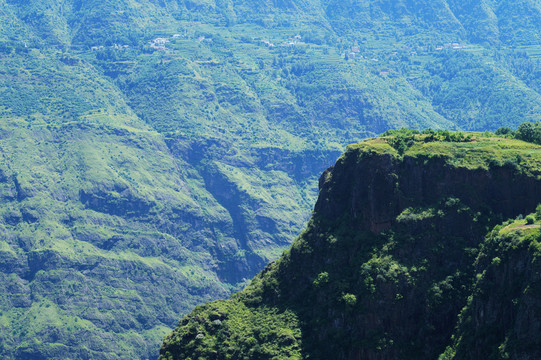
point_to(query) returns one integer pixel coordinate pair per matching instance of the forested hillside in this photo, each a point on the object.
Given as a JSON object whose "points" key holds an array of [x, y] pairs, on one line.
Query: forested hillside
{"points": [[157, 154], [402, 259]]}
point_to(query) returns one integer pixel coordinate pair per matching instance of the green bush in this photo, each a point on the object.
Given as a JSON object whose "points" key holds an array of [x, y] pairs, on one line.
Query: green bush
{"points": [[349, 299], [321, 279]]}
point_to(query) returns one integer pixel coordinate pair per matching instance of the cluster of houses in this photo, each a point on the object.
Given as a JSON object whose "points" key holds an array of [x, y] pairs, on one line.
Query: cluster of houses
{"points": [[354, 52], [202, 38], [351, 54], [453, 46], [159, 43], [114, 46], [295, 40], [268, 43]]}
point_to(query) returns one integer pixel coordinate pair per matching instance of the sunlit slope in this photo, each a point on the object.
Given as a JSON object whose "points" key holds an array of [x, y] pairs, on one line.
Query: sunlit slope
{"points": [[98, 219]]}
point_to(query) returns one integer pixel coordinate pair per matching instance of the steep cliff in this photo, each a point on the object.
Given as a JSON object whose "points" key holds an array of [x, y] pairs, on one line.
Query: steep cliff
{"points": [[387, 261], [502, 318]]}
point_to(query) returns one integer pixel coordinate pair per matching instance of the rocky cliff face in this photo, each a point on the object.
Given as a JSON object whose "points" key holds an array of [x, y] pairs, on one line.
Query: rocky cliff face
{"points": [[502, 318], [380, 187], [387, 261]]}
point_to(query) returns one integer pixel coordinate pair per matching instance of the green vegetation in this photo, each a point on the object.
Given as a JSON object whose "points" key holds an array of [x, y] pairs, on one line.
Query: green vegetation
{"points": [[527, 131], [514, 245], [403, 139], [157, 154], [255, 333], [392, 263], [465, 149]]}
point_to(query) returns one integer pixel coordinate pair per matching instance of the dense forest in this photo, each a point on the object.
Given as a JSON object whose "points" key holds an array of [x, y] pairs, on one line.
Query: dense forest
{"points": [[156, 155]]}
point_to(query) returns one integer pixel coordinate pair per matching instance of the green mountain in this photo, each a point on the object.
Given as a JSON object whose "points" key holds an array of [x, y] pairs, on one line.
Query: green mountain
{"points": [[157, 154], [395, 262]]}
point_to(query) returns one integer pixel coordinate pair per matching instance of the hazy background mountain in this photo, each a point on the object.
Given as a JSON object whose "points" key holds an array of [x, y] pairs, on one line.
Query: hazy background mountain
{"points": [[156, 154]]}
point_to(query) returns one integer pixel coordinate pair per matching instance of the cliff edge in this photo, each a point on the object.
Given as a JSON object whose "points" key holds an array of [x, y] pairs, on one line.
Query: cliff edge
{"points": [[393, 263]]}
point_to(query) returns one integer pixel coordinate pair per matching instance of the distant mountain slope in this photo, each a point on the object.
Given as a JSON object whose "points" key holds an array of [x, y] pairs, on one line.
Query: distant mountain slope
{"points": [[394, 250], [151, 145], [97, 218]]}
